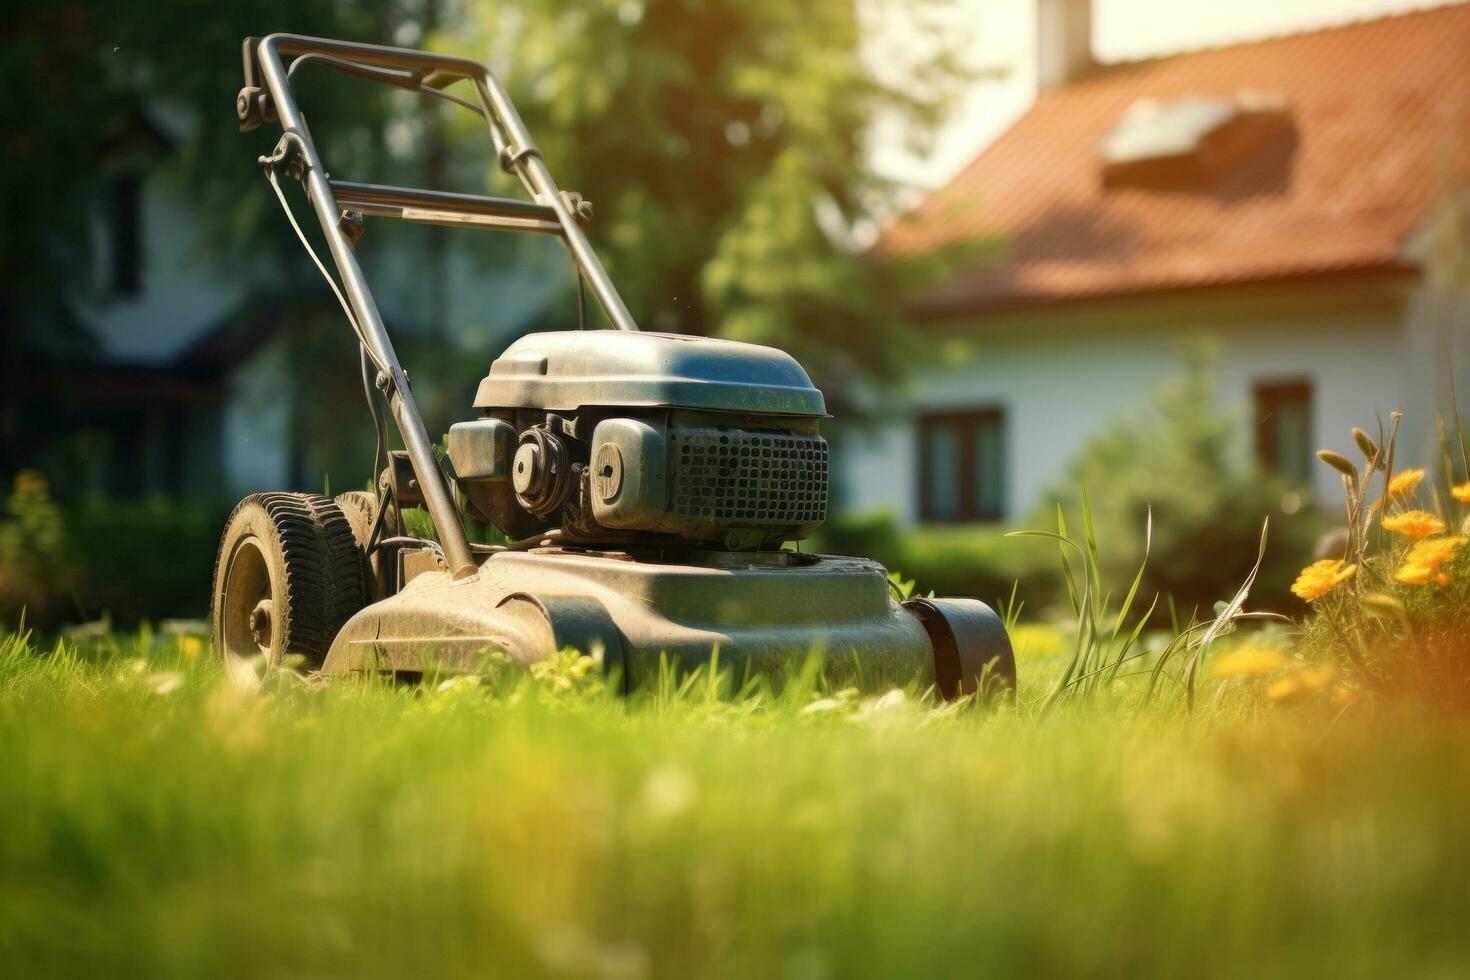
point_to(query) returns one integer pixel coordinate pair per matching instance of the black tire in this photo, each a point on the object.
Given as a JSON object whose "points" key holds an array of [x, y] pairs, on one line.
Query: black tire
{"points": [[361, 508], [972, 652], [288, 575]]}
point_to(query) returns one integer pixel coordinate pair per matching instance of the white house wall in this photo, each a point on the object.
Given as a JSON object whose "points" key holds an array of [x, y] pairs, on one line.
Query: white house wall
{"points": [[1060, 382], [183, 290], [257, 420]]}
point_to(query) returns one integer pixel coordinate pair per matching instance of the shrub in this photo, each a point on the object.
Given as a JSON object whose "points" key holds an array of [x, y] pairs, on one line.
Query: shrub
{"points": [[1179, 463], [980, 562], [33, 575], [143, 559], [129, 561]]}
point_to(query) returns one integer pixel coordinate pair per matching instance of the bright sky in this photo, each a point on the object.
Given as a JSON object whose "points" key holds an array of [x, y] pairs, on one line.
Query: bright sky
{"points": [[1122, 30]]}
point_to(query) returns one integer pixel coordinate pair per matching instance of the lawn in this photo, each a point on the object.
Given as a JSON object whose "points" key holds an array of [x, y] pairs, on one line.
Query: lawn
{"points": [[155, 821]]}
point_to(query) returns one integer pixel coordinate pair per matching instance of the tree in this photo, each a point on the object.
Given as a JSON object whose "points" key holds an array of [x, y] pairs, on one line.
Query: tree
{"points": [[724, 145]]}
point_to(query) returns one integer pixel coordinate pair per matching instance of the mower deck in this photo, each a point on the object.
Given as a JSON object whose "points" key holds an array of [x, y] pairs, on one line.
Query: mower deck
{"points": [[762, 613]]}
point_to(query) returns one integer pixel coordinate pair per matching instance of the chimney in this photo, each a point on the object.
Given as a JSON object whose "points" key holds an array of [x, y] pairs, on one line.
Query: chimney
{"points": [[1063, 41]]}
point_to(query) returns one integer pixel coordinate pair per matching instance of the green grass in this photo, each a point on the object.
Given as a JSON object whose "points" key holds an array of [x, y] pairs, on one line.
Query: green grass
{"points": [[156, 822]]}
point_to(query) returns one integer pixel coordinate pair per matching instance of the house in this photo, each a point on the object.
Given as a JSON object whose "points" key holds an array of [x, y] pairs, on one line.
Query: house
{"points": [[192, 378], [1298, 199]]}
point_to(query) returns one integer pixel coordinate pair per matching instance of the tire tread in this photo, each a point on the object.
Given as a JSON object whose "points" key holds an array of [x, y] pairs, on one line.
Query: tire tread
{"points": [[324, 578]]}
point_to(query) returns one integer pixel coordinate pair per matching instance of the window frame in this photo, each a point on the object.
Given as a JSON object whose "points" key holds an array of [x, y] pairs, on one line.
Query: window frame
{"points": [[967, 422], [1267, 397]]}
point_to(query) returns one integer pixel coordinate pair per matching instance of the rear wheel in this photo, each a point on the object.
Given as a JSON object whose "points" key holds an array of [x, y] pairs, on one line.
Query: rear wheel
{"points": [[288, 575], [361, 510]]}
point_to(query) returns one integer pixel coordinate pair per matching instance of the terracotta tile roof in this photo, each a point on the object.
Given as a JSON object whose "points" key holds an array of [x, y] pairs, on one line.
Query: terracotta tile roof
{"points": [[1381, 114]]}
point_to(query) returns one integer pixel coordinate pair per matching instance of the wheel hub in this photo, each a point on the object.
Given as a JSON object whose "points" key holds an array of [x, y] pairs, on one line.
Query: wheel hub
{"points": [[260, 623]]}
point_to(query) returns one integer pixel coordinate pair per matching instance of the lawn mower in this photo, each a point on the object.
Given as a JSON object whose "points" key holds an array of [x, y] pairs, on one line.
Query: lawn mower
{"points": [[649, 486]]}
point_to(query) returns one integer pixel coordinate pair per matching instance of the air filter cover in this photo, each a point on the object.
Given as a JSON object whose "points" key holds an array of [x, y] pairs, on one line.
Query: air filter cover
{"points": [[569, 370]]}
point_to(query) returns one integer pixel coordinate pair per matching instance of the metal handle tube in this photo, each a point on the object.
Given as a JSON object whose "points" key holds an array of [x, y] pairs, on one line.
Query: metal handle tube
{"points": [[451, 210], [350, 193], [434, 486], [534, 173], [507, 130], [454, 219]]}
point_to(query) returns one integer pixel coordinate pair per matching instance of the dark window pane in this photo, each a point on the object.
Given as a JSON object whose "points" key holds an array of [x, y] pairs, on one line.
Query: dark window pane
{"points": [[989, 467], [962, 466], [942, 481], [125, 236], [1284, 441]]}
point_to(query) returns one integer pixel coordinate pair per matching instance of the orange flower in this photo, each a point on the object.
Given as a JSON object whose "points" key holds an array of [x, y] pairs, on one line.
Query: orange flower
{"points": [[1462, 492], [1313, 677], [1415, 525], [1400, 486], [1248, 661], [1413, 575], [1321, 577], [1287, 687], [1405, 483], [1422, 563]]}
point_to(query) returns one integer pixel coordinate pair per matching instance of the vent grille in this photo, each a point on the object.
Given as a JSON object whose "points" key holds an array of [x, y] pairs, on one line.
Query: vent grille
{"points": [[738, 478]]}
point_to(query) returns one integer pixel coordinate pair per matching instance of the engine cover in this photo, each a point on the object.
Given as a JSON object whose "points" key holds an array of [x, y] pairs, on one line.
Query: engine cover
{"points": [[568, 370], [656, 434]]}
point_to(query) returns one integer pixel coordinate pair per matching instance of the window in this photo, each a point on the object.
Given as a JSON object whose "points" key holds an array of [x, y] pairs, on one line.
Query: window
{"points": [[1284, 430], [124, 219], [962, 466]]}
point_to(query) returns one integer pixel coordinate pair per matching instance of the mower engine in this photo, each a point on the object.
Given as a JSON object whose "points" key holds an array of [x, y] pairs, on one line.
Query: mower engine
{"points": [[645, 438]]}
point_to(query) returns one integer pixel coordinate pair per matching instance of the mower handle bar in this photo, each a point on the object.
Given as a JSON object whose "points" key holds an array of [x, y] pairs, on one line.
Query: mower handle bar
{"points": [[517, 152], [411, 69]]}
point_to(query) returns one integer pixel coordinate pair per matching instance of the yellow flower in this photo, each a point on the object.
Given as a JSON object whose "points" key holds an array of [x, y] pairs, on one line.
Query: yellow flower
{"points": [[1462, 492], [1320, 578], [1400, 486], [1414, 524], [191, 646], [1413, 575], [1287, 687], [1437, 551], [1314, 677], [30, 483], [1405, 483], [1248, 661], [1423, 561]]}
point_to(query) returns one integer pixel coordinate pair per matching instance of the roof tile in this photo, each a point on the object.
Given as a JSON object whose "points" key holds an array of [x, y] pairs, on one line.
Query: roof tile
{"points": [[1381, 114]]}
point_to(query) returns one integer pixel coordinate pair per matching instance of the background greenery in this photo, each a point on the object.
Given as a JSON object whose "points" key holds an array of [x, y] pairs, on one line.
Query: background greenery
{"points": [[1173, 482]]}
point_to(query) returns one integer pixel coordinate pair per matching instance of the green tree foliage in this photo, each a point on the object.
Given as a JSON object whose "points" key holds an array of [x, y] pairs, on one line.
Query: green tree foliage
{"points": [[724, 144]]}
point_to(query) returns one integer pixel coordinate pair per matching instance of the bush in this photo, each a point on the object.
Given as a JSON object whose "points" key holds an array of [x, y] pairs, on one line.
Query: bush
{"points": [[33, 576], [128, 561], [1179, 462], [980, 562]]}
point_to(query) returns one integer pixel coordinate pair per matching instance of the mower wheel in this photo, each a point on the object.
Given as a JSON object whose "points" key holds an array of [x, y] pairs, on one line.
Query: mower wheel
{"points": [[361, 509], [288, 575], [972, 651]]}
